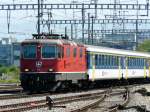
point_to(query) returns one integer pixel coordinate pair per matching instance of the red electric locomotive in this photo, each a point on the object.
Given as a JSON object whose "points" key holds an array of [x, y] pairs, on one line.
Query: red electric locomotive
{"points": [[51, 62]]}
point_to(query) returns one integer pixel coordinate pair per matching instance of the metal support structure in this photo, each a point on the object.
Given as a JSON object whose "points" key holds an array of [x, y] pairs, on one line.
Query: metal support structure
{"points": [[40, 6], [121, 31], [65, 31], [88, 28], [8, 20], [83, 21], [75, 6], [147, 1], [136, 28], [92, 29], [38, 23], [72, 31], [98, 21], [48, 25]]}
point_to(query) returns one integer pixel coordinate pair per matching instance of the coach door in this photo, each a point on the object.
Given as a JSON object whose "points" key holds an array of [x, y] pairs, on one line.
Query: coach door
{"points": [[148, 67], [93, 66], [121, 66], [124, 66]]}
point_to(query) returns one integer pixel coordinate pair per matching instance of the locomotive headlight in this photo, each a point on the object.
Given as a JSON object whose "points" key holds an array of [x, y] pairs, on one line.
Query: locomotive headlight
{"points": [[26, 70], [50, 70]]}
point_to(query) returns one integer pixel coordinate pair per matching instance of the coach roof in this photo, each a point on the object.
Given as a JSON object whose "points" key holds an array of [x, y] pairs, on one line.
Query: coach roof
{"points": [[106, 50]]}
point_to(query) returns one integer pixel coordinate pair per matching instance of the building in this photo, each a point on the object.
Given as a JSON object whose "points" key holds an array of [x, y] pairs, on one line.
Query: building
{"points": [[9, 52], [16, 48]]}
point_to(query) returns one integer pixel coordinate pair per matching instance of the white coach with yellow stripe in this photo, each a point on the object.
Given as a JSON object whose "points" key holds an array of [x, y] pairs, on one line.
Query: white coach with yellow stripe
{"points": [[108, 63]]}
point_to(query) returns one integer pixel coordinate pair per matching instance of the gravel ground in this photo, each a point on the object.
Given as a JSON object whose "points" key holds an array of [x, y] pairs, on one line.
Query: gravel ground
{"points": [[69, 106], [78, 104], [137, 99], [14, 101], [4, 94]]}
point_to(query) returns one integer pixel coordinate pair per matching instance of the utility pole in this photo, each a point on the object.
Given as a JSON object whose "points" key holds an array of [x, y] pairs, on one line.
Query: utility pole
{"points": [[94, 2], [147, 1], [83, 21], [8, 20], [88, 28], [114, 16], [48, 24], [92, 28], [136, 34], [71, 31], [38, 23], [49, 20], [65, 31]]}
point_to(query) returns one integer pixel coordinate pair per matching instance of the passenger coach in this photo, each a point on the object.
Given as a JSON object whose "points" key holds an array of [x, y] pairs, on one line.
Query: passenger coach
{"points": [[107, 63]]}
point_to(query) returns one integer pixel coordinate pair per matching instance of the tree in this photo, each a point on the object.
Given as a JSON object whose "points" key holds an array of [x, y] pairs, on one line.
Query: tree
{"points": [[144, 47], [4, 69]]}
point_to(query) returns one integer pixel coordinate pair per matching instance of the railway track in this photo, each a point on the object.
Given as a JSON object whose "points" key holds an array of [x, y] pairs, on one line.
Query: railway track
{"points": [[98, 96], [103, 105], [10, 88], [21, 94], [43, 103]]}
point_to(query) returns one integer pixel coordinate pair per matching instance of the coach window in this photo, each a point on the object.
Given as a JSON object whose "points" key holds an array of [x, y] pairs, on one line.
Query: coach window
{"points": [[96, 60], [128, 61], [136, 62], [115, 61], [68, 52], [142, 62], [102, 60], [107, 61], [139, 62], [99, 58], [110, 61], [74, 52], [81, 52]]}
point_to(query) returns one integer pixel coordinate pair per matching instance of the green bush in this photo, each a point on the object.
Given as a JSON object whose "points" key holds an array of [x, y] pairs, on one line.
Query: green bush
{"points": [[144, 47], [11, 73]]}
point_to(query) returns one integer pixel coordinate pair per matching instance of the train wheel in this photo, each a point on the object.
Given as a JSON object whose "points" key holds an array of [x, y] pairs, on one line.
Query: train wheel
{"points": [[24, 85]]}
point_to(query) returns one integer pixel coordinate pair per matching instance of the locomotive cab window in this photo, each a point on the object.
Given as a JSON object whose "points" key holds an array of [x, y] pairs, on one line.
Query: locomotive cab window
{"points": [[29, 51], [49, 51]]}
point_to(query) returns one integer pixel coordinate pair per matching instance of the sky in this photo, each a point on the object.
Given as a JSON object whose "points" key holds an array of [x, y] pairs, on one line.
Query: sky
{"points": [[23, 23]]}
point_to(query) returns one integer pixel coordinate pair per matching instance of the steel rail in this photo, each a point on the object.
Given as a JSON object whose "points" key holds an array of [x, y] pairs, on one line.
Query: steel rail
{"points": [[43, 103], [97, 102]]}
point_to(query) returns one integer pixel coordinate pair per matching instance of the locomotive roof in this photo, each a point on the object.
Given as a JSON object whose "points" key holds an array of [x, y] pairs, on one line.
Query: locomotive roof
{"points": [[50, 41], [98, 49]]}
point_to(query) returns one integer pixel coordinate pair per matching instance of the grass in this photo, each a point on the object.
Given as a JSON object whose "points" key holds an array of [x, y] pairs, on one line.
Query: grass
{"points": [[10, 81]]}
